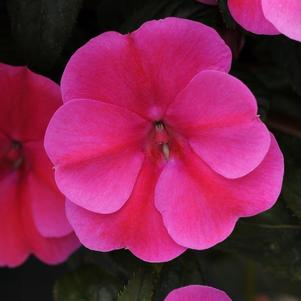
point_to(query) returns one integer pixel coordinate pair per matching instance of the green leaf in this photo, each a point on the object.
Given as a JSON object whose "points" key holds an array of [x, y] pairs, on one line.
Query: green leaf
{"points": [[87, 283], [292, 63], [8, 50], [276, 246], [139, 287], [41, 28], [292, 185], [270, 53], [182, 271], [292, 191]]}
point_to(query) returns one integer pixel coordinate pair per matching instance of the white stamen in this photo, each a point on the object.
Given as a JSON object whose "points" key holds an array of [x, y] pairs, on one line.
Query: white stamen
{"points": [[165, 150]]}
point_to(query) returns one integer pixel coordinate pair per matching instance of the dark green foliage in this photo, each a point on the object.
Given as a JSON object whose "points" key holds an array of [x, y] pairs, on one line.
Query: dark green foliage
{"points": [[86, 283], [292, 65], [276, 247], [139, 287], [41, 28], [184, 270]]}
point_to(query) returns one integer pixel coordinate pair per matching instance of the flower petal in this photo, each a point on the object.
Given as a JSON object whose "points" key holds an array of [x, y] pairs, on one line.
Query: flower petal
{"points": [[200, 207], [13, 245], [233, 151], [217, 113], [179, 50], [107, 69], [137, 226], [197, 293], [102, 184], [48, 204], [285, 16], [148, 78], [84, 129], [28, 96], [97, 152], [49, 250], [211, 99], [193, 213], [259, 190], [249, 14]]}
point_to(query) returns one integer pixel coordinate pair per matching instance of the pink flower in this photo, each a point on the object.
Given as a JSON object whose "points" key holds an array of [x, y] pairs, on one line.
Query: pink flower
{"points": [[156, 147], [32, 218], [267, 16], [197, 293]]}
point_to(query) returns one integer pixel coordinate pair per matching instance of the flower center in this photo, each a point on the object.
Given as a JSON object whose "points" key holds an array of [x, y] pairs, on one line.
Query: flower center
{"points": [[12, 155], [162, 138]]}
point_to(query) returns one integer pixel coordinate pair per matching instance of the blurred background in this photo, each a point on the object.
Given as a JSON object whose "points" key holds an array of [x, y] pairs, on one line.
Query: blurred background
{"points": [[261, 261]]}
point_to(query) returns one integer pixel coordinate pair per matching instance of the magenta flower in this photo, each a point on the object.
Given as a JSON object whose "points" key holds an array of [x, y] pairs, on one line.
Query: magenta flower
{"points": [[197, 293], [157, 148], [32, 218], [267, 16]]}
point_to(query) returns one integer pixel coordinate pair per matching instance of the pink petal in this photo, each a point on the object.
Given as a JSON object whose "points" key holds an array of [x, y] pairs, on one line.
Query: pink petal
{"points": [[200, 208], [28, 96], [14, 249], [285, 16], [197, 293], [211, 2], [179, 50], [97, 149], [107, 69], [137, 226], [84, 129], [221, 127], [233, 151], [48, 204], [148, 78], [192, 212], [259, 190], [48, 250], [211, 99], [249, 14], [102, 184]]}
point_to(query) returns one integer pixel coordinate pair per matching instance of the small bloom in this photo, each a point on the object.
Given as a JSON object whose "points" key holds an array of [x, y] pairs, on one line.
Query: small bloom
{"points": [[267, 16], [197, 293], [285, 15], [156, 147], [32, 218]]}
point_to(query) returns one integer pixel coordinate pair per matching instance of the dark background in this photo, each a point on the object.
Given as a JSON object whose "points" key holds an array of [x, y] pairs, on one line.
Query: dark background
{"points": [[31, 281]]}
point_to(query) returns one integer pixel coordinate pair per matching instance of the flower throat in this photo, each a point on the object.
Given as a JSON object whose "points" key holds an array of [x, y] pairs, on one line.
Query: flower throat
{"points": [[162, 139]]}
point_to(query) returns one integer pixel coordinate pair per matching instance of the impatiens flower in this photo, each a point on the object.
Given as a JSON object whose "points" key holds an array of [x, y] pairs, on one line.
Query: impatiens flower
{"points": [[156, 147], [197, 293], [32, 218], [267, 16]]}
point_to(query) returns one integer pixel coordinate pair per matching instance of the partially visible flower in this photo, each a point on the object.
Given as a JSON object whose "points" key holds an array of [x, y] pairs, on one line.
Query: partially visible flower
{"points": [[157, 148], [32, 218], [267, 16], [197, 293]]}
